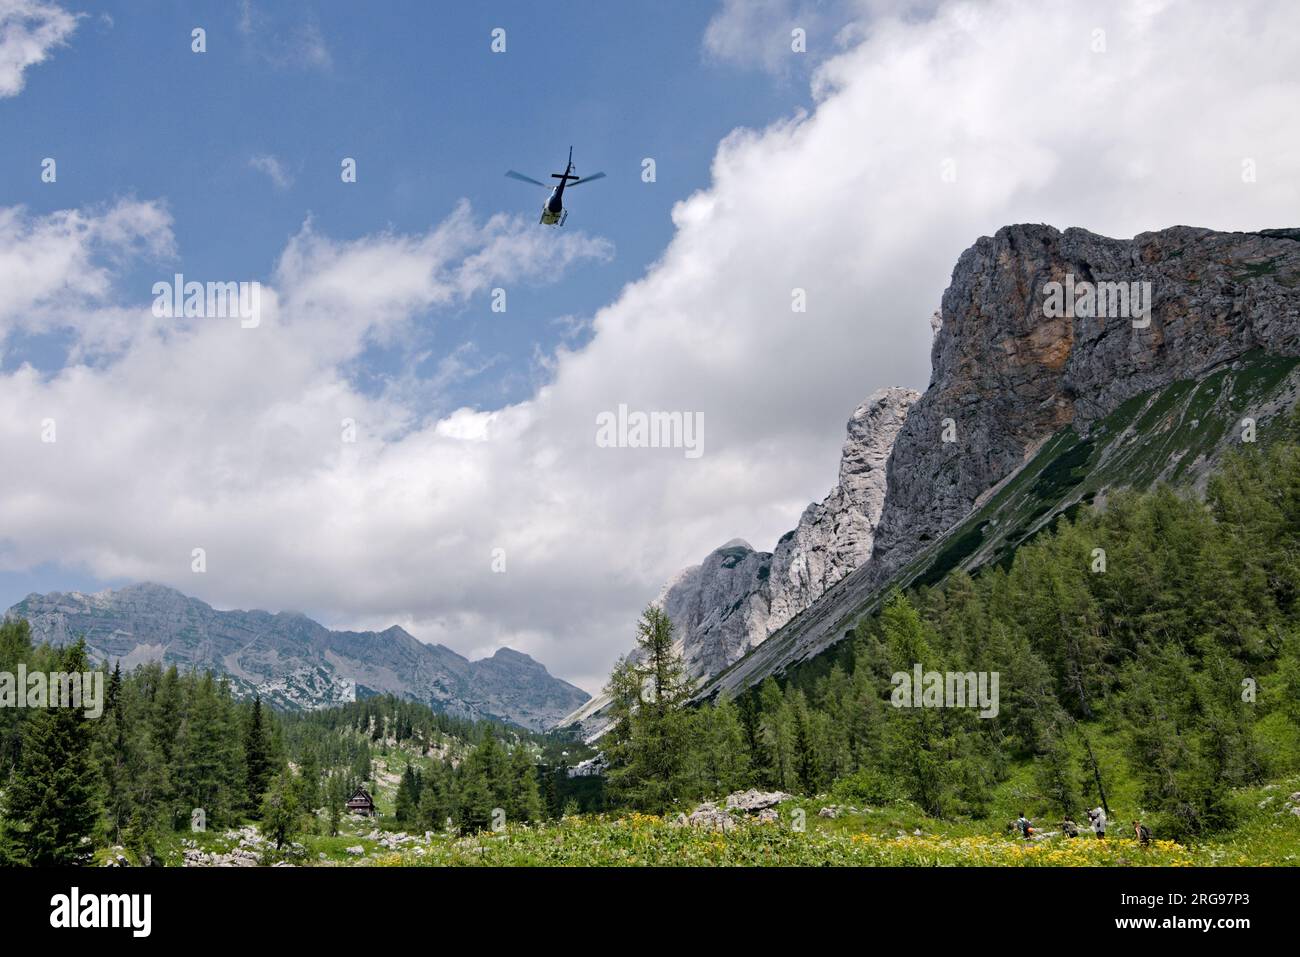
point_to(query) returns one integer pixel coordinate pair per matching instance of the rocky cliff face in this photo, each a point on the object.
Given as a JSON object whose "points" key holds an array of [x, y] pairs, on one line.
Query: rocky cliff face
{"points": [[733, 600], [1008, 376], [719, 608], [295, 662], [1030, 412], [836, 536]]}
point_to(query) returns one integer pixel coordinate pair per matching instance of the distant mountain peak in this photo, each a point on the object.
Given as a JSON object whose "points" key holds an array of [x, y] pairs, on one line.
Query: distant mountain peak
{"points": [[735, 543], [294, 661]]}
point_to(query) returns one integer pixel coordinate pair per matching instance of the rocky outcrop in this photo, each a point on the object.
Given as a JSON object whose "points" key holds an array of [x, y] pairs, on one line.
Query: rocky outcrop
{"points": [[754, 800], [294, 662], [739, 807], [1006, 376], [732, 601], [835, 536], [736, 597], [719, 608]]}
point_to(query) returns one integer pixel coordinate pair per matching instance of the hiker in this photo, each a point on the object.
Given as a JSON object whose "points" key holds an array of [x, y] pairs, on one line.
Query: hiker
{"points": [[1069, 828], [1097, 818], [1142, 832], [1024, 825]]}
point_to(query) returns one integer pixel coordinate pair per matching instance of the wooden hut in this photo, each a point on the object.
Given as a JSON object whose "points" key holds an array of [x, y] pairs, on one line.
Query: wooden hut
{"points": [[361, 803]]}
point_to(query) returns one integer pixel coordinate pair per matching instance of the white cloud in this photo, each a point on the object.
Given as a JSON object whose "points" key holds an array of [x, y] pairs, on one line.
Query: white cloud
{"points": [[213, 436], [29, 30], [758, 34], [300, 45], [57, 270], [281, 178]]}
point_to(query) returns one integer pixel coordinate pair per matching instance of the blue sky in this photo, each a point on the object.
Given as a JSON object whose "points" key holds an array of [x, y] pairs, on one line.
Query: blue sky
{"points": [[412, 91]]}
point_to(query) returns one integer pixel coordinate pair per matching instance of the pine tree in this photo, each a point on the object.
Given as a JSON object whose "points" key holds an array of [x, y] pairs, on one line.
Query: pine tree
{"points": [[649, 768], [1054, 770], [52, 804], [721, 753], [624, 690], [914, 736], [309, 779], [15, 647], [115, 758], [475, 801], [834, 723], [493, 762], [663, 666], [437, 802], [525, 804], [337, 793], [257, 756], [865, 717], [163, 723], [408, 797], [777, 761], [806, 757], [279, 810], [201, 779]]}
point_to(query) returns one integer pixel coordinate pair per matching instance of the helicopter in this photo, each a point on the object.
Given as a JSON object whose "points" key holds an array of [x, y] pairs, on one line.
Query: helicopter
{"points": [[553, 212]]}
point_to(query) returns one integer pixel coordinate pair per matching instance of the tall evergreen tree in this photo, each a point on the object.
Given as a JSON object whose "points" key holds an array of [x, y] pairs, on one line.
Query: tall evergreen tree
{"points": [[649, 768], [408, 797], [115, 758], [279, 810], [52, 805], [257, 756], [525, 804]]}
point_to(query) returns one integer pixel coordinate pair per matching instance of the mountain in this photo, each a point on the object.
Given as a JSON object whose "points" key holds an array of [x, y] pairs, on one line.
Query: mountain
{"points": [[294, 662], [836, 536], [733, 600], [1030, 415]]}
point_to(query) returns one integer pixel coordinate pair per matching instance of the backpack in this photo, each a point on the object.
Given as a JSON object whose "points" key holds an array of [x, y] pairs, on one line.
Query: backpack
{"points": [[1144, 833]]}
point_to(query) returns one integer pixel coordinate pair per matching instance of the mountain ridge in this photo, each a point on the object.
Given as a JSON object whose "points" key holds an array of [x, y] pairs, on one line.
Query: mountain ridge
{"points": [[1049, 413], [294, 661]]}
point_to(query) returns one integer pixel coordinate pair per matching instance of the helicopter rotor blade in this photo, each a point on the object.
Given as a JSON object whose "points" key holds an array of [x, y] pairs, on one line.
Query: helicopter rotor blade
{"points": [[587, 179], [526, 179]]}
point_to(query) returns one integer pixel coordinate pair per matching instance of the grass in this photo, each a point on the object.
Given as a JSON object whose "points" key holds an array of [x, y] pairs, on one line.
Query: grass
{"points": [[647, 840], [882, 837]]}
